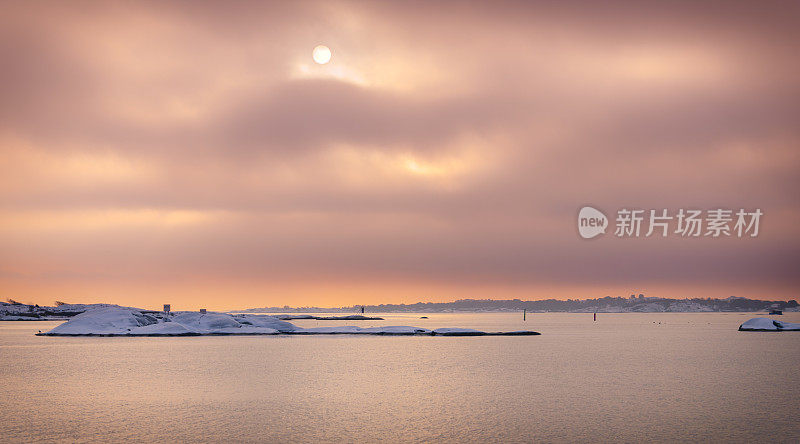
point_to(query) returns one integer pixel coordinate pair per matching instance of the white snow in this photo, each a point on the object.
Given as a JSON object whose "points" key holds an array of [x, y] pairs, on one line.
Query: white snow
{"points": [[104, 321], [265, 322], [788, 326], [205, 322], [121, 321], [458, 332], [163, 329], [767, 324]]}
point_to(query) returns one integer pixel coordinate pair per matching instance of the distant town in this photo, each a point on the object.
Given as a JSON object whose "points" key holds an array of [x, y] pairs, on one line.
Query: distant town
{"points": [[633, 304]]}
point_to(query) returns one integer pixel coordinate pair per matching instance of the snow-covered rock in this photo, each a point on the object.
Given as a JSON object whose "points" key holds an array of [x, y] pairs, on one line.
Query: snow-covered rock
{"points": [[205, 322], [788, 326], [120, 321], [104, 321], [265, 321], [767, 324], [162, 329]]}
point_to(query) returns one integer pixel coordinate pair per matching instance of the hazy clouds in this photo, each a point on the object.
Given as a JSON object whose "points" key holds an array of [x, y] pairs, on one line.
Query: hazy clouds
{"points": [[188, 149]]}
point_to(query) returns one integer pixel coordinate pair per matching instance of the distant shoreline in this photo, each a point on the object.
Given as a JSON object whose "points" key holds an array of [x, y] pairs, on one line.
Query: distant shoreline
{"points": [[324, 318], [15, 311], [633, 304]]}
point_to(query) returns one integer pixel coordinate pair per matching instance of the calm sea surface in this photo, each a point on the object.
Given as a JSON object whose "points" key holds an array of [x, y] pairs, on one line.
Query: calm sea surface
{"points": [[627, 377]]}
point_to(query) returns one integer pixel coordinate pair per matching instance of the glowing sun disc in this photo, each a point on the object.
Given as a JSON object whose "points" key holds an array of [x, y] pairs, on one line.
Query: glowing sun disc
{"points": [[322, 54]]}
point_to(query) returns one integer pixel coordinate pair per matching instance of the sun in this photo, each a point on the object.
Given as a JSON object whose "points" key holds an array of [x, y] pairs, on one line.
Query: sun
{"points": [[321, 54]]}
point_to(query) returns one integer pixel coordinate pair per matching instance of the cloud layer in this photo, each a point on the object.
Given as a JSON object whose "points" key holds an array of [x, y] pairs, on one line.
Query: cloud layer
{"points": [[193, 150]]}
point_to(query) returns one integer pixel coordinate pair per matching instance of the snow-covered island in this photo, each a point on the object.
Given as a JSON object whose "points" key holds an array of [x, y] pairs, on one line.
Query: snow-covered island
{"points": [[16, 311], [767, 324], [122, 321]]}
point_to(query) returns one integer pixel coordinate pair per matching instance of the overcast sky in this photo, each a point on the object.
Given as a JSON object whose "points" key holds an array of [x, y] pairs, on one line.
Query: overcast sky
{"points": [[194, 153]]}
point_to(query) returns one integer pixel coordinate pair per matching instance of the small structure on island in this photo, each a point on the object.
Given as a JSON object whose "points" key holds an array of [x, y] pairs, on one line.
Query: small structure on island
{"points": [[166, 308], [202, 311]]}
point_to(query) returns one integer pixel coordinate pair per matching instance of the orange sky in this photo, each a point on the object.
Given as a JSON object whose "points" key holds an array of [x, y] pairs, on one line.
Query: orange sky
{"points": [[193, 152]]}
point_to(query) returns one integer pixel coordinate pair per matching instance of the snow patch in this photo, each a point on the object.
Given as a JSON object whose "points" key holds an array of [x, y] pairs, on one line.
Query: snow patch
{"points": [[767, 324], [458, 332]]}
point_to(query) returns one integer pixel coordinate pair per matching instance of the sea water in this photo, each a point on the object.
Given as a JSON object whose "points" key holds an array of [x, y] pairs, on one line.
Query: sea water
{"points": [[626, 377]]}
